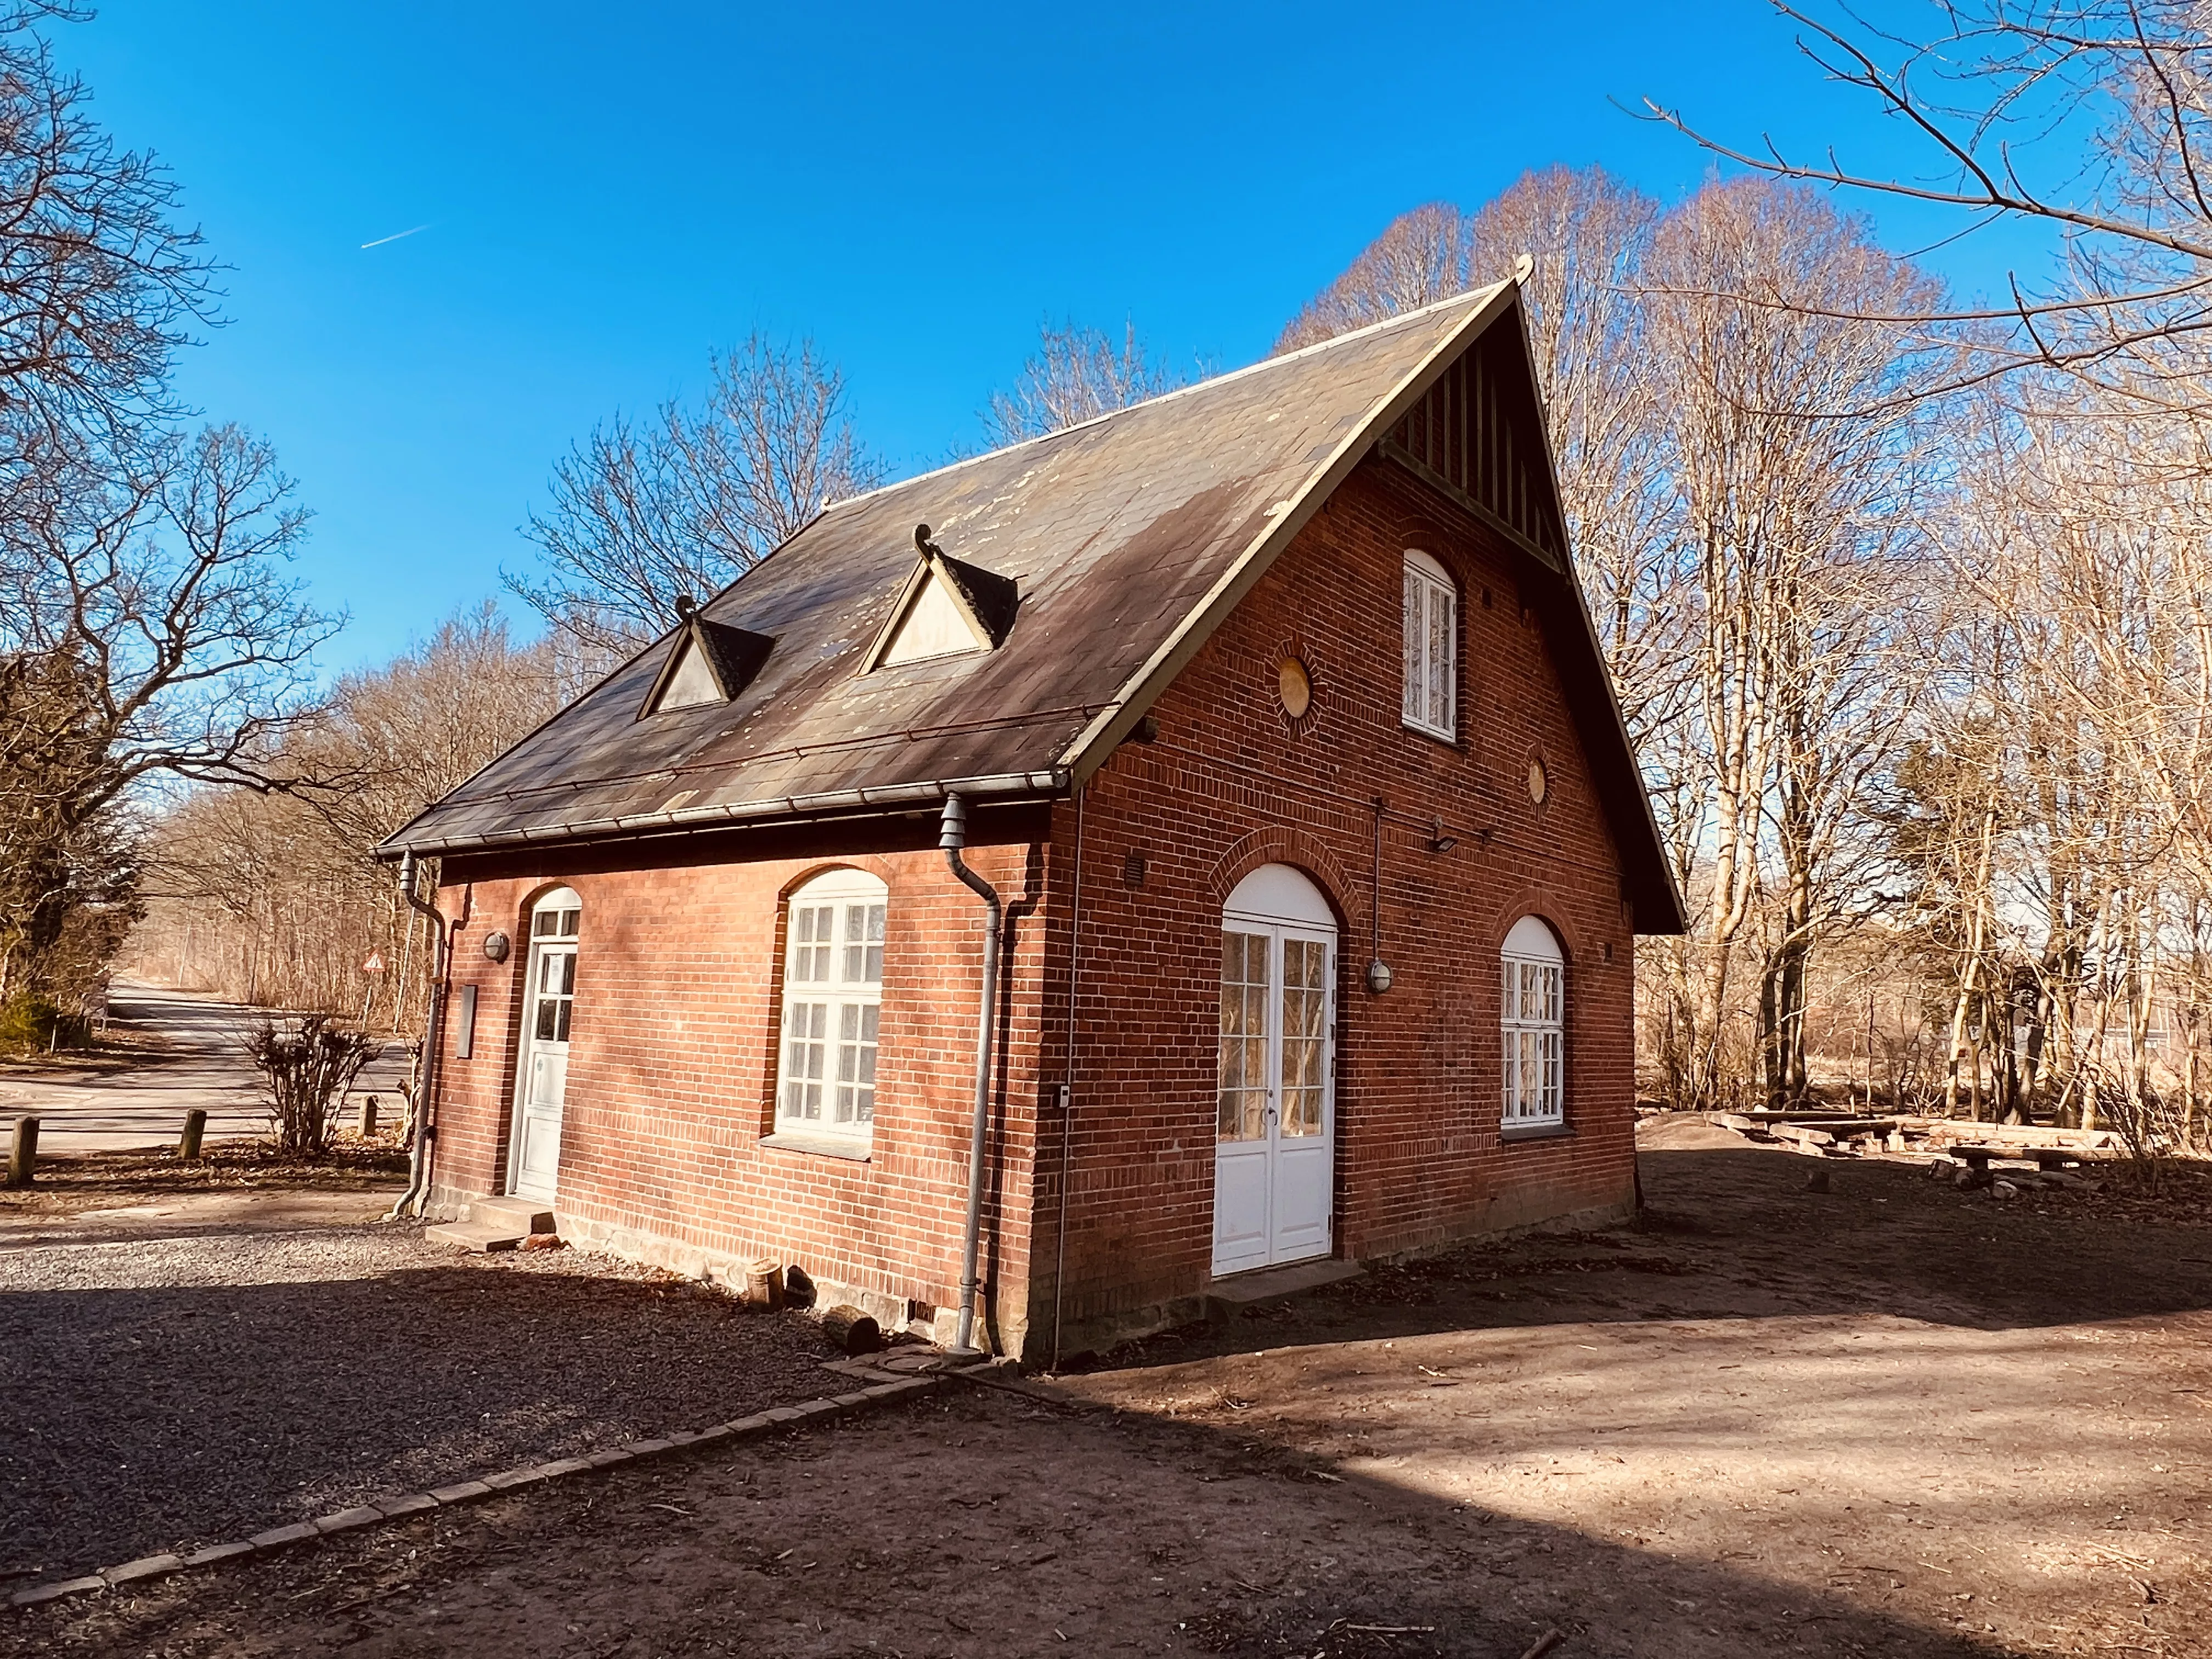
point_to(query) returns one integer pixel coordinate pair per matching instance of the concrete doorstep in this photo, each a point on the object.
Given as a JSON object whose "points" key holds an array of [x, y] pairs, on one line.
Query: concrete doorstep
{"points": [[1225, 1298], [468, 1491], [495, 1224]]}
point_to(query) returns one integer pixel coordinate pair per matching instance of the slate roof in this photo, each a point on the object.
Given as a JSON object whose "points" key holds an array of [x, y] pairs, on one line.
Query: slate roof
{"points": [[1128, 536]]}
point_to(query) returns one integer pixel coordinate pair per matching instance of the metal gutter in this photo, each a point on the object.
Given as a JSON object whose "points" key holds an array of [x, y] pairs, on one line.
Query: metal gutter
{"points": [[1017, 785]]}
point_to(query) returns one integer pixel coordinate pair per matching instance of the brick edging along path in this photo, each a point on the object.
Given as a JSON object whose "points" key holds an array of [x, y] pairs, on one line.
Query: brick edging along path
{"points": [[467, 1491]]}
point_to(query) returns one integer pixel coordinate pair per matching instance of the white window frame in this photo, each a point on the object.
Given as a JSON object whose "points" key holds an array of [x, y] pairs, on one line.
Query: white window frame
{"points": [[1533, 1027], [827, 1032], [1429, 702]]}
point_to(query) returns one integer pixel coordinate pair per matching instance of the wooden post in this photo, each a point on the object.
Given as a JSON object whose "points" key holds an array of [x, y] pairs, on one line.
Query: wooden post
{"points": [[369, 1117], [188, 1144], [764, 1284], [23, 1155]]}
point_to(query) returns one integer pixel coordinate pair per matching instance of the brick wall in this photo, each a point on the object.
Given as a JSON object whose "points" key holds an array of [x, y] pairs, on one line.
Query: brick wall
{"points": [[672, 1056], [1229, 785]]}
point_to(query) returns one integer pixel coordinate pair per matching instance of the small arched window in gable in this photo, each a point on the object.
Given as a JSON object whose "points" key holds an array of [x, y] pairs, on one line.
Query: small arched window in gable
{"points": [[948, 608], [1432, 639], [1533, 1028]]}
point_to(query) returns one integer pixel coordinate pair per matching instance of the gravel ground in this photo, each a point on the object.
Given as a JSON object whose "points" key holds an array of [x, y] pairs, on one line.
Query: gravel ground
{"points": [[163, 1393]]}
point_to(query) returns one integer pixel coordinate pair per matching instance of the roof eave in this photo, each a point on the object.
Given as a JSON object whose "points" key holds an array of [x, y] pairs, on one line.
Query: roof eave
{"points": [[1001, 789]]}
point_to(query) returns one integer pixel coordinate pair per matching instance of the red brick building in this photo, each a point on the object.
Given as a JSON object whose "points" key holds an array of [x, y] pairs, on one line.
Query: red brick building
{"points": [[1282, 730]]}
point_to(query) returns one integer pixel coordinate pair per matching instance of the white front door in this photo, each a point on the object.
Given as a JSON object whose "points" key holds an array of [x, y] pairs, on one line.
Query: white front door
{"points": [[1275, 1131], [534, 1162]]}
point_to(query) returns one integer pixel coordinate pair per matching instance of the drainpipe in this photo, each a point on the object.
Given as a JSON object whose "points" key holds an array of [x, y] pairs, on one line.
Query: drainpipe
{"points": [[953, 838], [426, 1088]]}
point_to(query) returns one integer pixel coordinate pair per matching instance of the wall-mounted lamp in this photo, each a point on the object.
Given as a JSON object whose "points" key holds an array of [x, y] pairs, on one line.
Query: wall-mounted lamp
{"points": [[1378, 976], [1438, 841], [496, 945]]}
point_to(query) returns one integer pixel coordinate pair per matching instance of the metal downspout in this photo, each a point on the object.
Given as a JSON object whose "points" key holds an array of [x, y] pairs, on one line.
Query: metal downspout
{"points": [[410, 1202], [954, 836]]}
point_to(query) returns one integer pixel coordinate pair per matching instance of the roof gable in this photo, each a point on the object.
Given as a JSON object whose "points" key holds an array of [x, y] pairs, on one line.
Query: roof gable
{"points": [[1120, 545]]}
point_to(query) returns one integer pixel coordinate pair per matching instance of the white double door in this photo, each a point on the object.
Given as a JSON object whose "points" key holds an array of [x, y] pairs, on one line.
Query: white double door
{"points": [[1274, 1164], [536, 1158]]}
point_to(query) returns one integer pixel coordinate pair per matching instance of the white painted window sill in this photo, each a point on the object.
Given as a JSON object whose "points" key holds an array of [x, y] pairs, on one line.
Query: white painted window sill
{"points": [[851, 1149], [1534, 1131]]}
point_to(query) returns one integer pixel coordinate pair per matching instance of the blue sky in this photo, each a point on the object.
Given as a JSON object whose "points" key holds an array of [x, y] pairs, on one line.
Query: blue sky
{"points": [[613, 192]]}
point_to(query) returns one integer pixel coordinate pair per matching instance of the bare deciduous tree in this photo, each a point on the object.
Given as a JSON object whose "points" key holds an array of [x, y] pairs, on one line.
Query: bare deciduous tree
{"points": [[685, 501], [1077, 375], [1421, 256], [99, 285], [153, 611], [2089, 115]]}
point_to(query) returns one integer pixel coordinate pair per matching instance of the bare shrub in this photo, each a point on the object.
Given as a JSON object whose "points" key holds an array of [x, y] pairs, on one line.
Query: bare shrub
{"points": [[307, 1061]]}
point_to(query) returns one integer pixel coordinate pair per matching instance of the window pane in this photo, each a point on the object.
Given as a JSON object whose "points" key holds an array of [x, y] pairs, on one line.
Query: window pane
{"points": [[1415, 638], [1241, 1113], [1444, 643], [546, 1006], [568, 974], [561, 1025], [1304, 1004]]}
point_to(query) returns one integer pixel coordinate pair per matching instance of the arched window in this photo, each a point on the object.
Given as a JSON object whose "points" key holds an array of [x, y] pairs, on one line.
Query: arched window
{"points": [[1534, 1007], [1431, 703], [833, 983]]}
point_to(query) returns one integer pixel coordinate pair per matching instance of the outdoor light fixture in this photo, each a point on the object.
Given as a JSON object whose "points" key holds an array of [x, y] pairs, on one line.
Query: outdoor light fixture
{"points": [[496, 945], [1439, 841], [1378, 976]]}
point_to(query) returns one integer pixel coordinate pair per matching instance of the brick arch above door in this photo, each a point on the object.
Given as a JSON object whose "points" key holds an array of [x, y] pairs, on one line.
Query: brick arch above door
{"points": [[1276, 844]]}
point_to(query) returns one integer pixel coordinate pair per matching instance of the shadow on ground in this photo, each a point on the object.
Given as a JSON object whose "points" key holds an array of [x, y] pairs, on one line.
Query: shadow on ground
{"points": [[1733, 1234], [151, 1416], [983, 1524], [1890, 1419]]}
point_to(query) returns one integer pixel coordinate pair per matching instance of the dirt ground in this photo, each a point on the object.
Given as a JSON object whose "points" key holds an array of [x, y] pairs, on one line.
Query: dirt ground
{"points": [[1889, 1419]]}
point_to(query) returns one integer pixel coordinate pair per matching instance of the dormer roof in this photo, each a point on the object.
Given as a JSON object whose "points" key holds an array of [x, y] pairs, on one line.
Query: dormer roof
{"points": [[705, 662], [948, 608]]}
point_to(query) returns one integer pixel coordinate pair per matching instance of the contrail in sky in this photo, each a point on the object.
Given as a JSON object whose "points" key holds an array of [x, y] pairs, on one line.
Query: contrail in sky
{"points": [[394, 237]]}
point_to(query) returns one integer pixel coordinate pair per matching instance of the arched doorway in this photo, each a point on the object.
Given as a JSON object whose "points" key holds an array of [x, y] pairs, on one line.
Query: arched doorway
{"points": [[1275, 1162], [541, 1069]]}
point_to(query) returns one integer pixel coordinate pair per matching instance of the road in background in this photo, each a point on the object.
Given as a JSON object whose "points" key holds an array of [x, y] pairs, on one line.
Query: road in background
{"points": [[139, 1096]]}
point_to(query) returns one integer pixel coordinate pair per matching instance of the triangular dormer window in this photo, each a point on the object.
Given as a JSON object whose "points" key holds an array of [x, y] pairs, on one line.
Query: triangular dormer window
{"points": [[690, 678], [707, 662], [948, 608]]}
